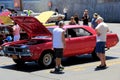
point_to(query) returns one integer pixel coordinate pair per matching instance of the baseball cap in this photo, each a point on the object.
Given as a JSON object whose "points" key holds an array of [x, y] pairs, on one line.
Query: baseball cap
{"points": [[96, 14], [99, 18], [61, 23]]}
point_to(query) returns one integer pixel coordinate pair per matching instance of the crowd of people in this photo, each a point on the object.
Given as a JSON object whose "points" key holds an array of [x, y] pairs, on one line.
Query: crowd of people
{"points": [[75, 19]]}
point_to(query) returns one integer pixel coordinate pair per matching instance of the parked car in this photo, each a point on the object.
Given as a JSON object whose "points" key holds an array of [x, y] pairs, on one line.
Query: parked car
{"points": [[6, 20], [79, 39], [48, 18], [55, 17]]}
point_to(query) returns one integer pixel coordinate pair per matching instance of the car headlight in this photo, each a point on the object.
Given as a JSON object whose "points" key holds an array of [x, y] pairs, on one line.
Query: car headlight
{"points": [[28, 50]]}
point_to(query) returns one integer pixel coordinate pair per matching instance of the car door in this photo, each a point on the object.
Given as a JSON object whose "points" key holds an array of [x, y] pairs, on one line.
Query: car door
{"points": [[79, 41]]}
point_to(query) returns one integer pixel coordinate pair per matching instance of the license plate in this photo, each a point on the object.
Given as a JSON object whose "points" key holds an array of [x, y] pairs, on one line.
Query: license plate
{"points": [[14, 56]]}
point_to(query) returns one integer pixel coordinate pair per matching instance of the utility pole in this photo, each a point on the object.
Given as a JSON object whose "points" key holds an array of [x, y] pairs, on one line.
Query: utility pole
{"points": [[18, 5], [21, 5]]}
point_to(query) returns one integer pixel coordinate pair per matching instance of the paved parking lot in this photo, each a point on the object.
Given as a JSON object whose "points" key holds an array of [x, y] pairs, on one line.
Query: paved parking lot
{"points": [[76, 68]]}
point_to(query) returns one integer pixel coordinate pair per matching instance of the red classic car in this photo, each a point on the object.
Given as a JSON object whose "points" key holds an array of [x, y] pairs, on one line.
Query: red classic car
{"points": [[79, 40]]}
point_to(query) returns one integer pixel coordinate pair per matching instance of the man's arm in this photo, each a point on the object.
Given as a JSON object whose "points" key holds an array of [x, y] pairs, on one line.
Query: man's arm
{"points": [[63, 39], [97, 31]]}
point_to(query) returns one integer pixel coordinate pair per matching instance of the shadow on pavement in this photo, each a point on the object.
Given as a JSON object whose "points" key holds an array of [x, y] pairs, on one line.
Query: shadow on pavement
{"points": [[32, 66], [27, 67], [82, 60]]}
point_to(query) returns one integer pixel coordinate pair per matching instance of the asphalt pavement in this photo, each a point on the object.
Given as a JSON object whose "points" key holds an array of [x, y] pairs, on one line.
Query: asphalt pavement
{"points": [[76, 68]]}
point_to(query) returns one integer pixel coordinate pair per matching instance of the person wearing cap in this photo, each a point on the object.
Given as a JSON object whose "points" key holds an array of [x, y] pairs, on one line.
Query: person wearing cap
{"points": [[93, 21], [58, 46], [101, 30]]}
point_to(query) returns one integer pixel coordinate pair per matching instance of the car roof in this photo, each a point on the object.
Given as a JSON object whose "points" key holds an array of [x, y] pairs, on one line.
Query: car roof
{"points": [[88, 28], [68, 26]]}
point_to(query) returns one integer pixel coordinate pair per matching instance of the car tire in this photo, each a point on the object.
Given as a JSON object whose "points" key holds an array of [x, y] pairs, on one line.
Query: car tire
{"points": [[19, 61], [46, 60]]}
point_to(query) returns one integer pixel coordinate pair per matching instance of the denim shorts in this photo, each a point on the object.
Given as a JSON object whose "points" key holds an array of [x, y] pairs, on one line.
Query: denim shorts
{"points": [[100, 47], [58, 52]]}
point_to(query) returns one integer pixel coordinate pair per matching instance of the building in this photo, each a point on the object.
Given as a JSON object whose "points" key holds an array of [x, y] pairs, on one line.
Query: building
{"points": [[108, 9], [35, 5]]}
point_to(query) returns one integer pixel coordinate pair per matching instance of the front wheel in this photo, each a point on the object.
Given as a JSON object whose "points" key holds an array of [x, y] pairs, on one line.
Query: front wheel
{"points": [[46, 60]]}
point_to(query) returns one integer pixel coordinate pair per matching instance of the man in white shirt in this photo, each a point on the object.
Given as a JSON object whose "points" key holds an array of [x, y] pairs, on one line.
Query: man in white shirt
{"points": [[65, 13], [58, 45], [101, 31]]}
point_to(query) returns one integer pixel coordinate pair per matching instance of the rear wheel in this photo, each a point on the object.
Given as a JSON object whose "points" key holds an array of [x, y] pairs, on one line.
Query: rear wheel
{"points": [[46, 60], [19, 61]]}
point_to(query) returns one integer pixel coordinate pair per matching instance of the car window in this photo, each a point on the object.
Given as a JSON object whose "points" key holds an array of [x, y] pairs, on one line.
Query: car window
{"points": [[76, 32], [83, 32], [71, 33]]}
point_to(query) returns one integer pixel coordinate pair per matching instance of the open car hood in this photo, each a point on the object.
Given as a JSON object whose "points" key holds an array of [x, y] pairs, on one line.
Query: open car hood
{"points": [[6, 20], [45, 16], [32, 26]]}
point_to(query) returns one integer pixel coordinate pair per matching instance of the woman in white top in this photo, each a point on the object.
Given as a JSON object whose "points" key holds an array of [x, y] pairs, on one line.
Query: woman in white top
{"points": [[16, 32]]}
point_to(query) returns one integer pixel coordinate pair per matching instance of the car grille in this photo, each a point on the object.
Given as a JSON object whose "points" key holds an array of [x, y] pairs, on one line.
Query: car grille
{"points": [[14, 50], [17, 51]]}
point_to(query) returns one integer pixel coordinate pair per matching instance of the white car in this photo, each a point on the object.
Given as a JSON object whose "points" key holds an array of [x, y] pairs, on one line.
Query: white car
{"points": [[49, 16], [55, 16]]}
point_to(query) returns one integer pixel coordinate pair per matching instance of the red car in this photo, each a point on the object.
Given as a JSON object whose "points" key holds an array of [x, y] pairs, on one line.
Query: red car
{"points": [[79, 40]]}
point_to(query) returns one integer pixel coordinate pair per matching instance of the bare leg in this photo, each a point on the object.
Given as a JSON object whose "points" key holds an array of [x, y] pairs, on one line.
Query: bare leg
{"points": [[58, 62], [102, 58]]}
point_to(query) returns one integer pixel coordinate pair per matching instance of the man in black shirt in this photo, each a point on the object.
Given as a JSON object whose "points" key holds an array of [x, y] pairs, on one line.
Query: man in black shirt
{"points": [[85, 17]]}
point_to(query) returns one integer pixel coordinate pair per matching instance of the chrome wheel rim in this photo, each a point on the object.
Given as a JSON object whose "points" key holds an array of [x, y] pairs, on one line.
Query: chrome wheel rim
{"points": [[47, 59]]}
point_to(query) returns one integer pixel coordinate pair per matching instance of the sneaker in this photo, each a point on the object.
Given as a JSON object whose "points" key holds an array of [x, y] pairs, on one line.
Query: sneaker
{"points": [[61, 68], [56, 70], [101, 67]]}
